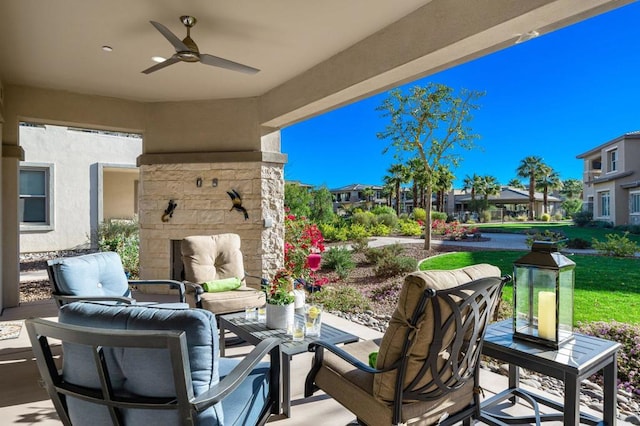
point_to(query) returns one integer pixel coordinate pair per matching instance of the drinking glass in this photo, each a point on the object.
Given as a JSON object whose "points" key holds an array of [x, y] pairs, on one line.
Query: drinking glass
{"points": [[313, 319]]}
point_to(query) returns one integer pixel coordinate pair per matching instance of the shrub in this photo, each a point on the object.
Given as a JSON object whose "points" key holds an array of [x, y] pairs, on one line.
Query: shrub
{"points": [[356, 231], [389, 266], [632, 229], [628, 335], [343, 299], [420, 214], [558, 216], [485, 216], [438, 216], [522, 218], [381, 230], [378, 210], [360, 245], [122, 236], [578, 243], [387, 219], [601, 224], [546, 217], [333, 233], [507, 218], [363, 218], [410, 228], [547, 235], [582, 219], [616, 245], [373, 255], [340, 260]]}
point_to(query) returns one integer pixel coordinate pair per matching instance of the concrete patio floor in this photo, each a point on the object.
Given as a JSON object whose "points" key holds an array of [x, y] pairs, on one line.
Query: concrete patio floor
{"points": [[23, 401]]}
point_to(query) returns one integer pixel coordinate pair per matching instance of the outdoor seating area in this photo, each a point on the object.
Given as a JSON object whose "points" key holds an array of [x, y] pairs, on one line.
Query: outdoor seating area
{"points": [[448, 308]]}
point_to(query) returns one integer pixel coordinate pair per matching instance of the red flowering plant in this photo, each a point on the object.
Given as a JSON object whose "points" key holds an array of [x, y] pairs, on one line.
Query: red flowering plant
{"points": [[280, 290], [301, 238]]}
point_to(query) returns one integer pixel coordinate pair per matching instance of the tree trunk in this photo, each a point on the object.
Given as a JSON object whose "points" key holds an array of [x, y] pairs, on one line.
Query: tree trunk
{"points": [[427, 222], [532, 199], [398, 198], [415, 195], [544, 199]]}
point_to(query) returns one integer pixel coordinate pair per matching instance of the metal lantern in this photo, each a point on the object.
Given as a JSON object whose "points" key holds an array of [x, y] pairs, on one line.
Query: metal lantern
{"points": [[543, 296]]}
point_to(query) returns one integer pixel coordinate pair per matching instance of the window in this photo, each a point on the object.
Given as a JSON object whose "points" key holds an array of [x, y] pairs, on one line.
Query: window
{"points": [[605, 208], [634, 203], [36, 196], [612, 157]]}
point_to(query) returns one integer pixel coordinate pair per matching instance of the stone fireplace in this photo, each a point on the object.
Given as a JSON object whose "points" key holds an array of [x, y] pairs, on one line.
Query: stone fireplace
{"points": [[198, 185]]}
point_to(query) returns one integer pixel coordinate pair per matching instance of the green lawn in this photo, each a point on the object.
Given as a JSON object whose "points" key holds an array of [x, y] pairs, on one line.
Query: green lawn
{"points": [[567, 228], [606, 288]]}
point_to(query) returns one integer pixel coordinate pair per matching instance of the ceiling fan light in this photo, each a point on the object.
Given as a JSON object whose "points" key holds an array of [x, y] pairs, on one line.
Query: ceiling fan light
{"points": [[107, 48], [158, 59]]}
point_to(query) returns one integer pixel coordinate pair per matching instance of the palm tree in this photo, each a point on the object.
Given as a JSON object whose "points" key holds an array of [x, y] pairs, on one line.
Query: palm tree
{"points": [[415, 168], [398, 175], [489, 186], [547, 180], [572, 188], [472, 183], [443, 181], [387, 189], [368, 193], [516, 183], [530, 168]]}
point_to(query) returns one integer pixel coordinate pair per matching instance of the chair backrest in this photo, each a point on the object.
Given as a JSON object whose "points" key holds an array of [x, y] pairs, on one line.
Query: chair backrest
{"points": [[212, 257], [91, 275], [144, 368], [435, 334]]}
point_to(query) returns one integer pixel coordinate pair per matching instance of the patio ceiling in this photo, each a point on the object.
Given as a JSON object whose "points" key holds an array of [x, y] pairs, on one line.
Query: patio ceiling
{"points": [[313, 55]]}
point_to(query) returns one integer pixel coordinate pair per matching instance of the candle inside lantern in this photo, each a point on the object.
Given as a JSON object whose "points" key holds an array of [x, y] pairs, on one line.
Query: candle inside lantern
{"points": [[547, 315]]}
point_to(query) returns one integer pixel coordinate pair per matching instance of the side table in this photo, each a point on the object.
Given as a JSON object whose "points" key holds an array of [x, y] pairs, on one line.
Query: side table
{"points": [[254, 332], [571, 363]]}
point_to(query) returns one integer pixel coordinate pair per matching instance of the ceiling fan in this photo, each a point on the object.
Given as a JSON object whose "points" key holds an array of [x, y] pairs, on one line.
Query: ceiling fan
{"points": [[187, 51]]}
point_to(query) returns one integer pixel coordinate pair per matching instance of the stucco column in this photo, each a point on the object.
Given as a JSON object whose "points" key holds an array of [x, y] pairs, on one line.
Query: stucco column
{"points": [[10, 232]]}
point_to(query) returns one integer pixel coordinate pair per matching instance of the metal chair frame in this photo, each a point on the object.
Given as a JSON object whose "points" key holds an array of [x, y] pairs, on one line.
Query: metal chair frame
{"points": [[472, 305]]}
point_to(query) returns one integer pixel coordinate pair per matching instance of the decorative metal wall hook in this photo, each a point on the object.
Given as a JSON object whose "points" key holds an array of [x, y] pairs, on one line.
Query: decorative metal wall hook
{"points": [[168, 212]]}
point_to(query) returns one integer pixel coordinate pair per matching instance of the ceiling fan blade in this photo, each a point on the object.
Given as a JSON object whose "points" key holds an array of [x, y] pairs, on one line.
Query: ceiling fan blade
{"points": [[173, 39], [225, 63], [166, 63]]}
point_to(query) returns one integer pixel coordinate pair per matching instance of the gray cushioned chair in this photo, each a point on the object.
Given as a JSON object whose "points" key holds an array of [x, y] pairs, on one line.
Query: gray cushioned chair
{"points": [[214, 257], [427, 359], [98, 276], [135, 365]]}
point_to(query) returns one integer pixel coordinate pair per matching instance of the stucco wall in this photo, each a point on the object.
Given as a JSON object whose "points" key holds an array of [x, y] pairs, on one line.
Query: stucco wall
{"points": [[75, 191]]}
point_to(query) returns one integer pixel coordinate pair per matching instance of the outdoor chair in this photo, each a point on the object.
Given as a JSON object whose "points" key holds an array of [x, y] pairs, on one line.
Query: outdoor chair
{"points": [[427, 361], [209, 260], [135, 365], [98, 276]]}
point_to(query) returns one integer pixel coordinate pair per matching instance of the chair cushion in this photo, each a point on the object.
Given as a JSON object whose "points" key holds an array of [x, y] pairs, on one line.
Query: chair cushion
{"points": [[143, 372], [399, 329], [244, 405], [230, 301], [353, 388], [96, 274], [212, 257]]}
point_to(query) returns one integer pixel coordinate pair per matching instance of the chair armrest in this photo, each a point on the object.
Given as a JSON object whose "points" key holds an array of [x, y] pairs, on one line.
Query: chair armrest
{"points": [[175, 285], [198, 291], [62, 299], [227, 385], [318, 347]]}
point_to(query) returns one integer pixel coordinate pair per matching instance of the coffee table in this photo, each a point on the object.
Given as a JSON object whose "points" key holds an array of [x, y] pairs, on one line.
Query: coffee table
{"points": [[254, 332]]}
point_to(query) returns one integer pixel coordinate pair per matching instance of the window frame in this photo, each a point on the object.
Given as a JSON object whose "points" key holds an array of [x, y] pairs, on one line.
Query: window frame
{"points": [[634, 195], [602, 195], [49, 223], [613, 160]]}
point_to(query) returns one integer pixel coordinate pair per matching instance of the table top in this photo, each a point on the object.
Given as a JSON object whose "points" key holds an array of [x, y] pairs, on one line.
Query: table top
{"points": [[580, 354], [255, 332]]}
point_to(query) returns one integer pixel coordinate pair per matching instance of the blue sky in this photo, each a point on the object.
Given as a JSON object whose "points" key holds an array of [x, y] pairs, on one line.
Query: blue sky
{"points": [[555, 96]]}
